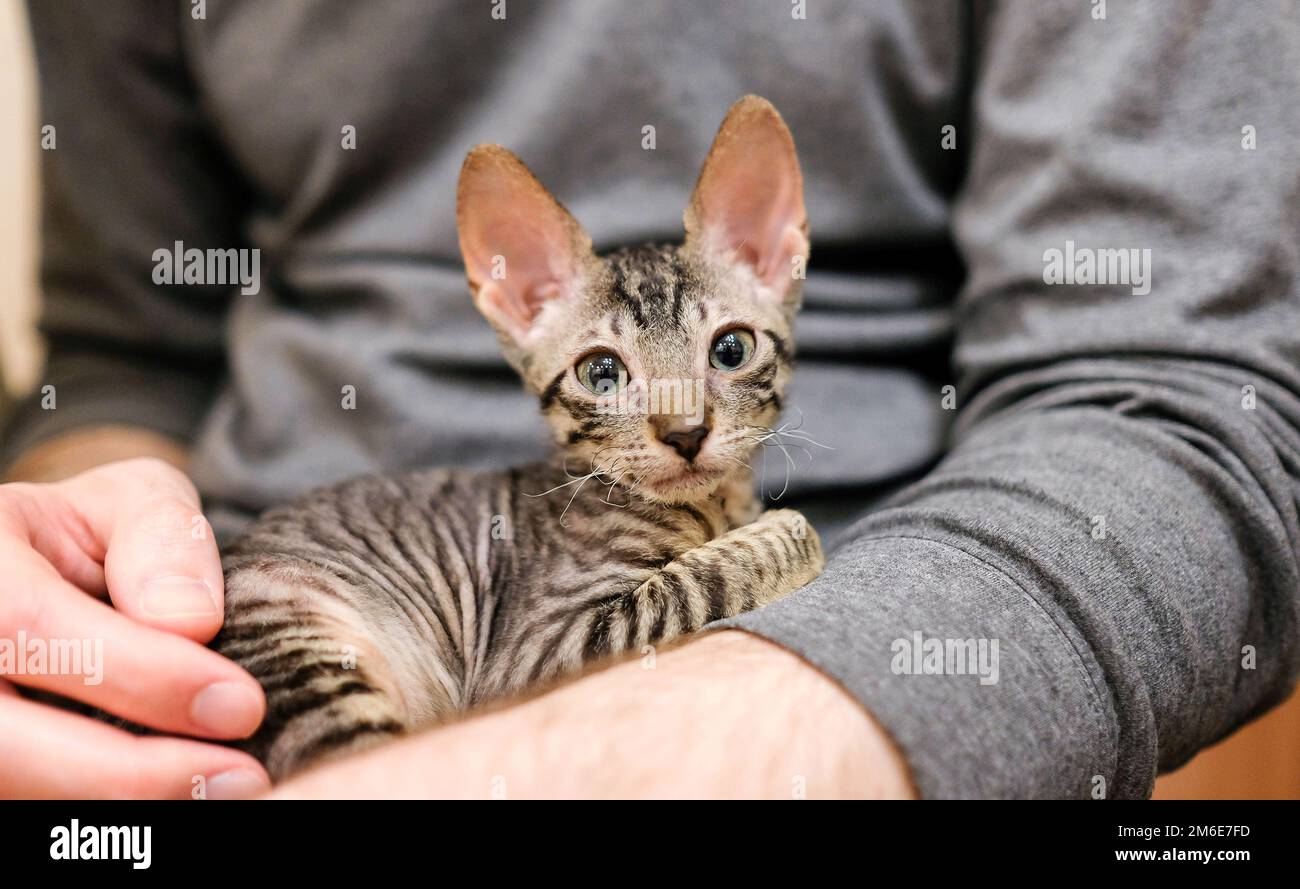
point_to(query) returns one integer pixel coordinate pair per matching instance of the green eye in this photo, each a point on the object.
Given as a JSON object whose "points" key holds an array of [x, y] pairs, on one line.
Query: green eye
{"points": [[732, 349], [602, 373]]}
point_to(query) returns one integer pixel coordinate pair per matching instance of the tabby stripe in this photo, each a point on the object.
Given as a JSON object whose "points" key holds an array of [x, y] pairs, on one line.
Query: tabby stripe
{"points": [[714, 584], [758, 380], [280, 658], [598, 641], [660, 625], [677, 596], [292, 680], [552, 390], [285, 711], [244, 608], [464, 595], [381, 565], [421, 604], [370, 569], [244, 648], [577, 409], [699, 518], [637, 315], [779, 345], [633, 612], [546, 651], [245, 632], [344, 735]]}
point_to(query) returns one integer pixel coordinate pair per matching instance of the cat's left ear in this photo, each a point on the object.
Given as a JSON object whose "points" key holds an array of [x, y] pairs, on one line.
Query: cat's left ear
{"points": [[748, 203], [522, 249]]}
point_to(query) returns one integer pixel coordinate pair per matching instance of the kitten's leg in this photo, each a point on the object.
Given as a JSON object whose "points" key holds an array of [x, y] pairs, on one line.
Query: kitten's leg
{"points": [[331, 687], [736, 572]]}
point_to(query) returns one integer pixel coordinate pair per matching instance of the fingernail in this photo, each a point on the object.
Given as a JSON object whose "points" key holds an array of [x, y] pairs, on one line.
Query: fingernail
{"points": [[237, 784], [173, 597], [227, 709]]}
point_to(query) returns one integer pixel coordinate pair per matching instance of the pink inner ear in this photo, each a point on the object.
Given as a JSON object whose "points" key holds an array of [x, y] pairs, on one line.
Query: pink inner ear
{"points": [[535, 262], [513, 316], [748, 203], [754, 213], [754, 210], [521, 248], [515, 301]]}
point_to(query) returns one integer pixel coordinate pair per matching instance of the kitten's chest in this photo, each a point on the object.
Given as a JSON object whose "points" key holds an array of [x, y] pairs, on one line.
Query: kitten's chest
{"points": [[593, 541]]}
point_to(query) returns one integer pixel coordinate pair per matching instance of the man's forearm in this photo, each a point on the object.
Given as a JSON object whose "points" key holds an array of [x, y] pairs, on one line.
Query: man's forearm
{"points": [[74, 452], [726, 715]]}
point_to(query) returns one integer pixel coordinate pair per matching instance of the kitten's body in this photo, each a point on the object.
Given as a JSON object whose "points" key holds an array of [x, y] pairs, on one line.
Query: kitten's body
{"points": [[384, 604]]}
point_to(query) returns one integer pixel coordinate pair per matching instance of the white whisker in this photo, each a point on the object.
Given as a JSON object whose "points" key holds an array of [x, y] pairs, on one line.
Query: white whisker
{"points": [[784, 437], [604, 475]]}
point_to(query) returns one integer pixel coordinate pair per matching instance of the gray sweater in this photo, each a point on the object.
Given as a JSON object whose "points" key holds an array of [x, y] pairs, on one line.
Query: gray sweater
{"points": [[1102, 513]]}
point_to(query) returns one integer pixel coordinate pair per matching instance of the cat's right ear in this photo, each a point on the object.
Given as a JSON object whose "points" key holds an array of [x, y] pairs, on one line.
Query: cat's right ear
{"points": [[522, 249], [748, 206]]}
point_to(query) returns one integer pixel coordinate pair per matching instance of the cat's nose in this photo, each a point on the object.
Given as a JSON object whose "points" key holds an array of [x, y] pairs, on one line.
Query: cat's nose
{"points": [[686, 442]]}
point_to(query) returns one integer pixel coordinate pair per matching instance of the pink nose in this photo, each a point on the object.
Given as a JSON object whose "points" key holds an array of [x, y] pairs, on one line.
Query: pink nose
{"points": [[686, 442]]}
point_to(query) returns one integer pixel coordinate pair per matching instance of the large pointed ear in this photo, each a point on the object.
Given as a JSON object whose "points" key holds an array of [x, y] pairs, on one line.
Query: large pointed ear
{"points": [[748, 203], [522, 250]]}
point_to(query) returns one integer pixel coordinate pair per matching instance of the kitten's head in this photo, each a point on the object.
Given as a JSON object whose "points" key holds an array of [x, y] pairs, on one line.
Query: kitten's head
{"points": [[657, 365]]}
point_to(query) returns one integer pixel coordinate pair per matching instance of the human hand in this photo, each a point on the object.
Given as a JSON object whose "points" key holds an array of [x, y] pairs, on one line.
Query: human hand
{"points": [[131, 534]]}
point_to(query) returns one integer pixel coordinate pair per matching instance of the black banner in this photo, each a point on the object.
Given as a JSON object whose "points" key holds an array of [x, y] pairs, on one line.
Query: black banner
{"points": [[325, 838]]}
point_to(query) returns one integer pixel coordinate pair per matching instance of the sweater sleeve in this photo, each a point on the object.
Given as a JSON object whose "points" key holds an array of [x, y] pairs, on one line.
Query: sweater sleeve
{"points": [[128, 168], [1101, 576]]}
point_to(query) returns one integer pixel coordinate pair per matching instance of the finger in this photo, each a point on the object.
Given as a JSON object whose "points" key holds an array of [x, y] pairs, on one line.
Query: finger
{"points": [[52, 754], [162, 566], [163, 569], [73, 645], [41, 516]]}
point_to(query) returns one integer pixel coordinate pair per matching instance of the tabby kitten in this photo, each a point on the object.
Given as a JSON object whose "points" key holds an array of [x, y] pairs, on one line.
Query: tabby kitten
{"points": [[384, 604]]}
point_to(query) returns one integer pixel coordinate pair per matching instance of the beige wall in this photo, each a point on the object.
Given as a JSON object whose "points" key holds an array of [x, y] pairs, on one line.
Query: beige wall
{"points": [[19, 143]]}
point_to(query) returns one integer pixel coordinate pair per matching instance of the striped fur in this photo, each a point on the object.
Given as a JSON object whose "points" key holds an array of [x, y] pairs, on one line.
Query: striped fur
{"points": [[385, 604]]}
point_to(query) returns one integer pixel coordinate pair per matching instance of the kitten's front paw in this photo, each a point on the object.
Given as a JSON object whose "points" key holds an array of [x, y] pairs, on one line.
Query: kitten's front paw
{"points": [[809, 559]]}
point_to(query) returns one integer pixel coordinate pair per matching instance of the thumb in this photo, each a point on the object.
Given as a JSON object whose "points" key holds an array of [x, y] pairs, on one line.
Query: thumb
{"points": [[161, 562]]}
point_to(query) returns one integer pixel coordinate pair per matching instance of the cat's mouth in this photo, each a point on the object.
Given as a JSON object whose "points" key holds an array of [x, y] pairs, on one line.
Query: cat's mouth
{"points": [[683, 481]]}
